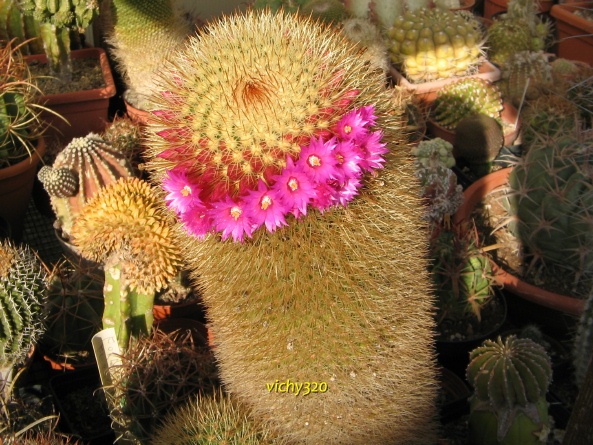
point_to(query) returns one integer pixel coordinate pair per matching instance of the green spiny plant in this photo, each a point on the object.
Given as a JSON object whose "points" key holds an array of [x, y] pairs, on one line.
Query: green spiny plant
{"points": [[141, 35], [551, 201], [15, 25], [368, 36], [466, 97], [158, 374], [510, 378], [478, 141], [580, 93], [57, 19], [212, 419], [331, 11], [433, 43], [582, 349], [125, 228], [525, 76], [80, 170], [124, 135], [23, 290], [382, 12], [238, 105]]}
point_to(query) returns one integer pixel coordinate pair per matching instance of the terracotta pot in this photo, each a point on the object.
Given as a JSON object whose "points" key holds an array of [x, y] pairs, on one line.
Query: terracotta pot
{"points": [[16, 185], [136, 115], [86, 111], [466, 5], [185, 309], [474, 195], [426, 92], [509, 116], [574, 34]]}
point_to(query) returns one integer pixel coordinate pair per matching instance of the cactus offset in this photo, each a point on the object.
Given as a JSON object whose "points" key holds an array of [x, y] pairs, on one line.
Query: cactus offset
{"points": [[510, 379], [125, 228], [80, 170], [241, 104], [466, 97], [431, 44]]}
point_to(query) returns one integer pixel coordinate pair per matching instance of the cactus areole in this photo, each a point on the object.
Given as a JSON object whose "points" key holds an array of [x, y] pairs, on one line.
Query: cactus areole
{"points": [[252, 129]]}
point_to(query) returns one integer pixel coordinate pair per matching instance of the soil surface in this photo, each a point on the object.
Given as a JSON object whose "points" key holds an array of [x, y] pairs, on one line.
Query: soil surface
{"points": [[86, 75]]}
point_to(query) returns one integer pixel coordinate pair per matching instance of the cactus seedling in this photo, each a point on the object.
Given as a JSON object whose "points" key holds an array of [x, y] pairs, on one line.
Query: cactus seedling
{"points": [[125, 228], [510, 379]]}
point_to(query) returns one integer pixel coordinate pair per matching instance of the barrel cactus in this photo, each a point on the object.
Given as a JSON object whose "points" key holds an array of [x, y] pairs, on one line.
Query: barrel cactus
{"points": [[80, 170], [433, 43], [510, 378], [125, 228], [283, 155], [478, 141]]}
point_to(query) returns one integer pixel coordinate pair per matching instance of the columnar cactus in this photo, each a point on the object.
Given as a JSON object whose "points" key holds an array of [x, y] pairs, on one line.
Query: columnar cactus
{"points": [[582, 349], [15, 25], [23, 290], [510, 378], [525, 76], [57, 19], [80, 170], [434, 43], [125, 228], [283, 155]]}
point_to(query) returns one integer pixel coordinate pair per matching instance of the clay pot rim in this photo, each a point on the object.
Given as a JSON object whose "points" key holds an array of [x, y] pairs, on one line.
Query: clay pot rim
{"points": [[27, 163]]}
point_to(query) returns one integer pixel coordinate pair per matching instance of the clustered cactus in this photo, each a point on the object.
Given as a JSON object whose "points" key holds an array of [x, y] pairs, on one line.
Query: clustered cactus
{"points": [[433, 43], [510, 378], [80, 170], [272, 132], [125, 228]]}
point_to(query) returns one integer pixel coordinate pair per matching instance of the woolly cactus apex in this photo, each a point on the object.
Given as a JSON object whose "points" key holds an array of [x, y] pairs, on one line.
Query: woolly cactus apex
{"points": [[510, 379], [23, 289], [434, 43], [284, 304], [582, 349], [466, 97], [125, 227], [211, 420], [79, 171], [525, 76]]}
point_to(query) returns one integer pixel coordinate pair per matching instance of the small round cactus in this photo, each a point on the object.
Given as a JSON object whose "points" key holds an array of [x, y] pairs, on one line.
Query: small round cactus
{"points": [[510, 378]]}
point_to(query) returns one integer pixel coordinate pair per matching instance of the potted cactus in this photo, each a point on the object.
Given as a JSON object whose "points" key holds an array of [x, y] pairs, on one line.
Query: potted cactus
{"points": [[574, 30], [510, 378]]}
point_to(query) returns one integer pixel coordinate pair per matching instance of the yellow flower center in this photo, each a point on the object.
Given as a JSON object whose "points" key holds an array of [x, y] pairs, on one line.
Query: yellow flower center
{"points": [[293, 184], [186, 191], [266, 202], [347, 129], [236, 212], [314, 161]]}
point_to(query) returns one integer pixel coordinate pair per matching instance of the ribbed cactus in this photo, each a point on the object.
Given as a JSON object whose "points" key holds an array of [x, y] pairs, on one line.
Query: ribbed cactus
{"points": [[141, 35], [212, 419], [269, 137], [15, 25], [125, 228], [510, 378], [23, 290], [525, 76], [382, 12], [80, 170], [57, 19], [552, 202], [433, 43], [466, 97], [582, 349]]}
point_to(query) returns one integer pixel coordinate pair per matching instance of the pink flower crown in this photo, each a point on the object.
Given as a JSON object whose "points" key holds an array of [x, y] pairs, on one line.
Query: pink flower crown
{"points": [[327, 172]]}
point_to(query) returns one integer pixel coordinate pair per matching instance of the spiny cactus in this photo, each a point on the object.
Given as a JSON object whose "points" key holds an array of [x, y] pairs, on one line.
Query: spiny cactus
{"points": [[23, 290], [466, 97], [212, 419], [552, 202], [125, 228], [382, 12], [240, 106], [57, 19], [141, 35], [80, 170], [124, 135], [367, 36], [525, 76], [510, 378], [330, 11], [15, 25], [582, 349], [433, 43]]}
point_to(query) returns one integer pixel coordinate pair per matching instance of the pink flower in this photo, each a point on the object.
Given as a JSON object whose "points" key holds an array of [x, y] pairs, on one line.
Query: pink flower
{"points": [[294, 188], [347, 190], [317, 160], [368, 115], [183, 194], [197, 221], [325, 196], [348, 156], [230, 218], [373, 150], [352, 126], [264, 206]]}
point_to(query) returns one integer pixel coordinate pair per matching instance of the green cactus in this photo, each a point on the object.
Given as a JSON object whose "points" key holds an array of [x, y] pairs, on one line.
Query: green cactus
{"points": [[466, 97], [309, 301], [15, 25], [57, 19], [211, 420], [525, 76], [510, 378], [125, 228], [431, 44], [582, 349], [478, 141], [551, 202], [80, 170], [23, 291], [382, 12]]}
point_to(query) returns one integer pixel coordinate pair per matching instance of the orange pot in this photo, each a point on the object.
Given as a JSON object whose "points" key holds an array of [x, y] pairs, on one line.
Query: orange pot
{"points": [[136, 115], [574, 34]]}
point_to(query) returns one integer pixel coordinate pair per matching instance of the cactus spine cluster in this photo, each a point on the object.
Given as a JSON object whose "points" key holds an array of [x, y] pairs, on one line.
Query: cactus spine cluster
{"points": [[526, 75], [264, 90], [432, 43], [510, 378], [125, 228], [23, 290], [57, 19], [80, 170]]}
